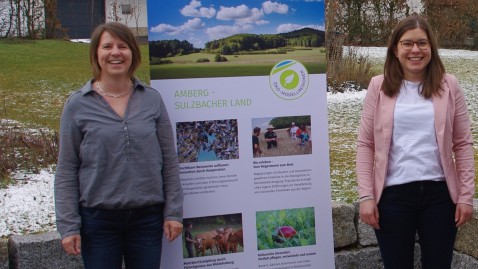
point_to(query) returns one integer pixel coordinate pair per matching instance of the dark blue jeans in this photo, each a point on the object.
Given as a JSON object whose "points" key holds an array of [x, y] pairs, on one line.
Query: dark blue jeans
{"points": [[418, 207], [108, 236]]}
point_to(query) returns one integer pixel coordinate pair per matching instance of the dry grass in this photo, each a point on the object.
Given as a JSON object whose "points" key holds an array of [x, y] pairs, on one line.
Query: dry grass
{"points": [[25, 150], [351, 69]]}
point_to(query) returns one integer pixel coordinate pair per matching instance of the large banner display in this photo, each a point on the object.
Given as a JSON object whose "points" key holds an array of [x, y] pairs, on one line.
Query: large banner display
{"points": [[245, 87]]}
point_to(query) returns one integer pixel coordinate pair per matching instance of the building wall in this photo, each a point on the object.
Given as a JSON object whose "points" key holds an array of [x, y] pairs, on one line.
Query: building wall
{"points": [[78, 18], [415, 6], [133, 13]]}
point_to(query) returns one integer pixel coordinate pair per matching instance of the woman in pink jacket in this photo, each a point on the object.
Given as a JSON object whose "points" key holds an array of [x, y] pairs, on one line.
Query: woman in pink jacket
{"points": [[415, 166]]}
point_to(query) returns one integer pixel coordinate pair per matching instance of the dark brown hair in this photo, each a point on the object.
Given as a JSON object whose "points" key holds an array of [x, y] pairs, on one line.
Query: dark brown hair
{"points": [[393, 71], [119, 31]]}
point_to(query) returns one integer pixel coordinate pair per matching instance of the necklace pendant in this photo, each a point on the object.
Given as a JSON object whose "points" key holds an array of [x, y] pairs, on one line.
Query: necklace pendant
{"points": [[109, 94]]}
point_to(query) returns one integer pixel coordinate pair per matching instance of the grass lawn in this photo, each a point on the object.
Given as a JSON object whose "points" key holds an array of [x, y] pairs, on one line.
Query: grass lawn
{"points": [[37, 77]]}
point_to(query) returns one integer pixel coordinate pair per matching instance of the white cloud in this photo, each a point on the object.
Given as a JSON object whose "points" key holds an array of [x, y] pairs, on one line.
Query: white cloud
{"points": [[255, 17], [289, 27], [275, 7], [242, 15], [194, 24], [194, 9], [190, 25], [165, 28], [261, 22], [197, 43], [233, 13]]}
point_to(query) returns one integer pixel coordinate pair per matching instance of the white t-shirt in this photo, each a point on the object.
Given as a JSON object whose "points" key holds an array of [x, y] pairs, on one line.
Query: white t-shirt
{"points": [[414, 154]]}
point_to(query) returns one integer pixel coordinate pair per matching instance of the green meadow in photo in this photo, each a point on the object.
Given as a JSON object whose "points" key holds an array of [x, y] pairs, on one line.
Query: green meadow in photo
{"points": [[193, 65]]}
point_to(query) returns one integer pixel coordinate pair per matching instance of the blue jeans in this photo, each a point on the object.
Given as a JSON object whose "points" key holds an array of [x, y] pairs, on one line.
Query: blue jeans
{"points": [[109, 235], [418, 207]]}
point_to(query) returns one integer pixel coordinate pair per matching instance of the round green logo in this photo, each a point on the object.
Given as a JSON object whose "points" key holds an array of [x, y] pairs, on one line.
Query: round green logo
{"points": [[289, 79]]}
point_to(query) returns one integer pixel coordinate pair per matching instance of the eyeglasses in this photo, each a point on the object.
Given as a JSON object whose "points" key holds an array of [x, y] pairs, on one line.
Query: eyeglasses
{"points": [[421, 44]]}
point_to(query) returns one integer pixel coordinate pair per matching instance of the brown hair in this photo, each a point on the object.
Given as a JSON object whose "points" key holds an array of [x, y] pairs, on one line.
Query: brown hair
{"points": [[393, 71], [119, 31]]}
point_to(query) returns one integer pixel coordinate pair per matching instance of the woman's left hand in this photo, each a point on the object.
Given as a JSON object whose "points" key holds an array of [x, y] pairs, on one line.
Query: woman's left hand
{"points": [[172, 229], [463, 214]]}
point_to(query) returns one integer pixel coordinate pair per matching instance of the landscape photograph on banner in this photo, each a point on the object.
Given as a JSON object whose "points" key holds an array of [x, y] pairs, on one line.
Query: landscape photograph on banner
{"points": [[285, 228], [281, 136], [211, 140], [213, 235], [199, 39]]}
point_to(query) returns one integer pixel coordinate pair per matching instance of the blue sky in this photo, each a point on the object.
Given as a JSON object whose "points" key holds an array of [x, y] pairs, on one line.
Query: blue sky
{"points": [[200, 21]]}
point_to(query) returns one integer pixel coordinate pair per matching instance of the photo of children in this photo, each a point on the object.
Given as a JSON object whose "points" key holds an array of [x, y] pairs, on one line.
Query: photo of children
{"points": [[213, 235], [211, 140], [281, 136], [285, 228]]}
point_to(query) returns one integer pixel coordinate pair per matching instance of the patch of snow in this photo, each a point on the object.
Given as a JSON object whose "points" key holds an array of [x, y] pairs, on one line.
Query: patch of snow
{"points": [[28, 206], [79, 40]]}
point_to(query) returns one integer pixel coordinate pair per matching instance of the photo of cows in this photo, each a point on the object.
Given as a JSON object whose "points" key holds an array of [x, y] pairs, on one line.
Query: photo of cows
{"points": [[212, 235]]}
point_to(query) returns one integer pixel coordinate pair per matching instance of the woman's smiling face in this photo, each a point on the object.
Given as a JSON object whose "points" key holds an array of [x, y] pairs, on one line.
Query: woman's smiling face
{"points": [[114, 56], [415, 60]]}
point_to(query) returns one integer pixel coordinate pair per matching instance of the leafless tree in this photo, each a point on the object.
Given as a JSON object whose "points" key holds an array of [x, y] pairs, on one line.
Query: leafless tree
{"points": [[4, 17], [137, 13], [113, 14], [22, 18]]}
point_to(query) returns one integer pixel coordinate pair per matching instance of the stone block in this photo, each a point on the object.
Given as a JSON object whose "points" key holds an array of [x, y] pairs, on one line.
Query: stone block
{"points": [[41, 251], [365, 258], [344, 227], [463, 261], [366, 235], [466, 239], [3, 253]]}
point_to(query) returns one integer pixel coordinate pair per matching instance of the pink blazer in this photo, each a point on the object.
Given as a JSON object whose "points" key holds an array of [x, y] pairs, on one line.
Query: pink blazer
{"points": [[453, 134]]}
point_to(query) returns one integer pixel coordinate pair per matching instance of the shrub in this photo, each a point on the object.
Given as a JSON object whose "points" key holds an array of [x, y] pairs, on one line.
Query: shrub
{"points": [[157, 61], [22, 149], [202, 60], [342, 68], [218, 58], [349, 69]]}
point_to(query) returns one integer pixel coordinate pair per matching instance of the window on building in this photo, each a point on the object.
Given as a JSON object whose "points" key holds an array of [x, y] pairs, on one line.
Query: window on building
{"points": [[126, 9]]}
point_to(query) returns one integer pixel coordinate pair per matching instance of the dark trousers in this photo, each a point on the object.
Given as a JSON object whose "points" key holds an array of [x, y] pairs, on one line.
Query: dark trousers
{"points": [[108, 236], [418, 207], [271, 144], [190, 248]]}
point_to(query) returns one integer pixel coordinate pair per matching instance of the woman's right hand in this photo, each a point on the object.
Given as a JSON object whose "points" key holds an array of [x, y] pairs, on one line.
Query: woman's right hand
{"points": [[72, 244], [369, 213]]}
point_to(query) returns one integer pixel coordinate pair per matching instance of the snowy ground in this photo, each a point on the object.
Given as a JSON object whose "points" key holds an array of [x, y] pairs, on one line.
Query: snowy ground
{"points": [[27, 207]]}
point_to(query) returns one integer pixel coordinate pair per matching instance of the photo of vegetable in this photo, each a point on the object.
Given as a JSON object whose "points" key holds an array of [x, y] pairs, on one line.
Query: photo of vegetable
{"points": [[285, 228]]}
